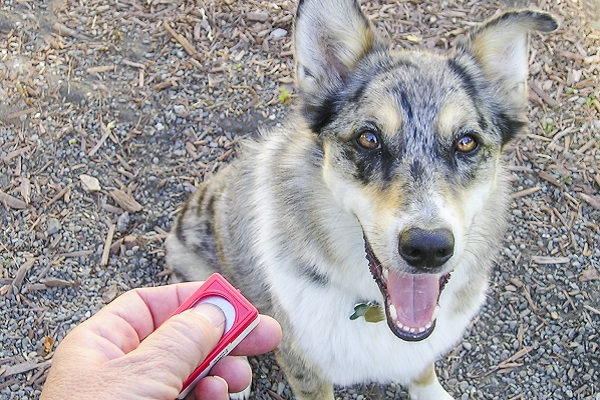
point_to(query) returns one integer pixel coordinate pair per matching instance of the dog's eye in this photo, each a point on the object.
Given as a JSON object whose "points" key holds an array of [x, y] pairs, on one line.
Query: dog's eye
{"points": [[466, 144], [368, 140]]}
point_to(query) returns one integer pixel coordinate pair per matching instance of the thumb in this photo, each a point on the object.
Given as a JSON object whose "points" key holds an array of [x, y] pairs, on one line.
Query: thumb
{"points": [[181, 343]]}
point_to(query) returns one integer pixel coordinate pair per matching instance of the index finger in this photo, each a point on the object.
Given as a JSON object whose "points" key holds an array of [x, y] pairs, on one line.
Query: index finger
{"points": [[264, 338], [141, 310]]}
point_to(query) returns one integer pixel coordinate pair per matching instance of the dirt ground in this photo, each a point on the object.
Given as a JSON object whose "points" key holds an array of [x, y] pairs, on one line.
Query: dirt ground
{"points": [[111, 112]]}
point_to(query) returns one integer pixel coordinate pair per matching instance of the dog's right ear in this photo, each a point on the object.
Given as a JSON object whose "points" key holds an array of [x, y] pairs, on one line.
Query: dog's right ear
{"points": [[330, 37], [500, 47]]}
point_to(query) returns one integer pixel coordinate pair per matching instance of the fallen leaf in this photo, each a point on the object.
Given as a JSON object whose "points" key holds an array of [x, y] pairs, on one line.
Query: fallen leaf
{"points": [[48, 344]]}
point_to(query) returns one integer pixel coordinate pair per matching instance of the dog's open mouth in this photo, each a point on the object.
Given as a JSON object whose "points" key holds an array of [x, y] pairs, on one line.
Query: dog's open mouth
{"points": [[411, 300]]}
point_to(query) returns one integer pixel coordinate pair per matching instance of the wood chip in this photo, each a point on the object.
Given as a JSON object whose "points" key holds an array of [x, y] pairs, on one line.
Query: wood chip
{"points": [[549, 178], [24, 367], [81, 253], [590, 274], [25, 188], [21, 273], [33, 287], [543, 95], [525, 192], [544, 260], [55, 282], [107, 243], [133, 64], [20, 113], [106, 132], [100, 68], [16, 153], [90, 183], [592, 309], [187, 46], [257, 16], [191, 150], [12, 202], [5, 289], [510, 362], [125, 201], [64, 194], [593, 201], [112, 209], [110, 293], [64, 30]]}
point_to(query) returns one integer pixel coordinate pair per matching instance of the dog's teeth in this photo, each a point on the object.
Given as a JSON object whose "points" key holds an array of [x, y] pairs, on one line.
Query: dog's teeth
{"points": [[421, 330], [385, 273], [428, 325], [413, 330], [435, 313], [392, 311]]}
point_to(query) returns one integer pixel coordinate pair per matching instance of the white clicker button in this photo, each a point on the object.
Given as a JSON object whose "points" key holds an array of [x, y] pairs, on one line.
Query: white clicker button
{"points": [[225, 306]]}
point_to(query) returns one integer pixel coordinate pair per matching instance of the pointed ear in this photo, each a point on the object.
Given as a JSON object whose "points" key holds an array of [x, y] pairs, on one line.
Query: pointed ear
{"points": [[500, 47], [330, 37]]}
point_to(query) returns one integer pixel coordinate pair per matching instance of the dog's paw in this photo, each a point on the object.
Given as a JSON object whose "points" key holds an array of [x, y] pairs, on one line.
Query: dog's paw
{"points": [[433, 391], [245, 395]]}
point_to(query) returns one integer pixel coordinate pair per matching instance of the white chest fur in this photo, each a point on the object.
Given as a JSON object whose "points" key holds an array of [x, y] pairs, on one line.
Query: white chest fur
{"points": [[356, 351]]}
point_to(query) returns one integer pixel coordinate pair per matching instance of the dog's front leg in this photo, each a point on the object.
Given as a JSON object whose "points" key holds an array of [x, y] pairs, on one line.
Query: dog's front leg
{"points": [[427, 387], [305, 379]]}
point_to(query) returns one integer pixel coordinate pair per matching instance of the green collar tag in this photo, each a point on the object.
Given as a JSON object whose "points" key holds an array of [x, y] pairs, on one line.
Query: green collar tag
{"points": [[372, 312]]}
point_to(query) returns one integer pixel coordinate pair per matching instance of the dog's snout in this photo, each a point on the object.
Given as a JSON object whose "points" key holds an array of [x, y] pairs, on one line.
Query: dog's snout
{"points": [[426, 249]]}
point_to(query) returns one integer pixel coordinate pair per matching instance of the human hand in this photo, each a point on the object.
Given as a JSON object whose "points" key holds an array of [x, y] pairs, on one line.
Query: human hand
{"points": [[125, 351]]}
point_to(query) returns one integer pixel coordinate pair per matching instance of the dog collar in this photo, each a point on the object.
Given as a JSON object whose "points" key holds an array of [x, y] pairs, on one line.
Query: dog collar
{"points": [[371, 312]]}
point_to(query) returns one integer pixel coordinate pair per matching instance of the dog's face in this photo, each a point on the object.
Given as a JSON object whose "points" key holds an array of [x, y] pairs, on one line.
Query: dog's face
{"points": [[412, 141]]}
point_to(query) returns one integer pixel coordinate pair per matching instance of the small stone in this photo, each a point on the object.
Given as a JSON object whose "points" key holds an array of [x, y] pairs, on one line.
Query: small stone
{"points": [[278, 33], [52, 226], [280, 388], [179, 109], [123, 222]]}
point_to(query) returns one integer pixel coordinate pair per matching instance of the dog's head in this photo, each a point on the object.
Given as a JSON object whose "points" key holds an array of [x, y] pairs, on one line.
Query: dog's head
{"points": [[412, 141]]}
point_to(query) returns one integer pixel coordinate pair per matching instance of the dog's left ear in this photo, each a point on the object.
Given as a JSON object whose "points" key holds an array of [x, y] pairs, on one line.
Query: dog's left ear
{"points": [[330, 38], [500, 47]]}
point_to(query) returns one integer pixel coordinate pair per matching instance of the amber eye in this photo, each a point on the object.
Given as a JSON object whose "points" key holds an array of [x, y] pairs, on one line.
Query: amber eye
{"points": [[368, 140], [466, 144]]}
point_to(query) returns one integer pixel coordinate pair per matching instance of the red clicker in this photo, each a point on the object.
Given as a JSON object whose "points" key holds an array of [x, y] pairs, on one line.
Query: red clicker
{"points": [[240, 318]]}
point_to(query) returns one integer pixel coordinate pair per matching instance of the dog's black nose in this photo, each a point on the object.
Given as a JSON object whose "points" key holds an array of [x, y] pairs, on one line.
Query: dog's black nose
{"points": [[426, 249]]}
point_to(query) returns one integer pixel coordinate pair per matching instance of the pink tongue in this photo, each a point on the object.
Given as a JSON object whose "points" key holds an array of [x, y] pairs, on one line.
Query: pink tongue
{"points": [[414, 296]]}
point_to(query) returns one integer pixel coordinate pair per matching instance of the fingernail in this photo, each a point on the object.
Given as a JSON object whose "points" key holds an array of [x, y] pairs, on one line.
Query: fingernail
{"points": [[212, 313]]}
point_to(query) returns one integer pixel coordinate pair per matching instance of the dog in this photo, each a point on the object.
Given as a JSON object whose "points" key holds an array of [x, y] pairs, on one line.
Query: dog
{"points": [[368, 222]]}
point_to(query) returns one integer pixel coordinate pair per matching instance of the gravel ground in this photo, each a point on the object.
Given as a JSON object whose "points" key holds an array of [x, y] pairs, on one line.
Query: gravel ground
{"points": [[111, 113]]}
